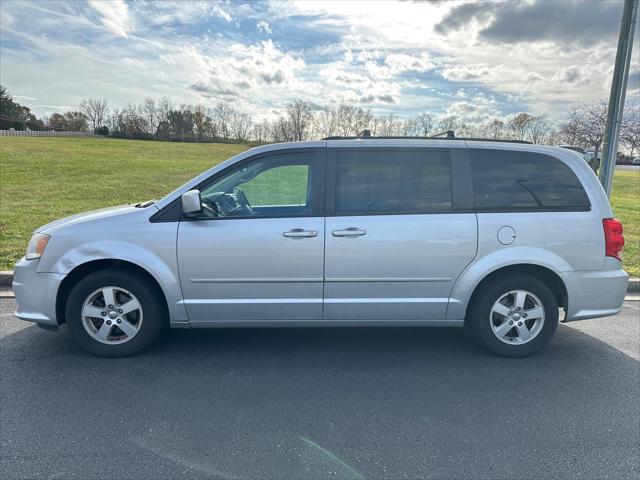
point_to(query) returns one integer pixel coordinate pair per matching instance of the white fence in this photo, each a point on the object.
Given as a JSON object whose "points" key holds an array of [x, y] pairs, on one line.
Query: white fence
{"points": [[44, 133]]}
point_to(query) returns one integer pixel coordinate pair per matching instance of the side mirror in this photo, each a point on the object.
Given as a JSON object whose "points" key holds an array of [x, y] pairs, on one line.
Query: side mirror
{"points": [[191, 202]]}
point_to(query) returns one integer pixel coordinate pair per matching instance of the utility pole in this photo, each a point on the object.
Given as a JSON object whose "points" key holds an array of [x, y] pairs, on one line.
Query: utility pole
{"points": [[618, 91]]}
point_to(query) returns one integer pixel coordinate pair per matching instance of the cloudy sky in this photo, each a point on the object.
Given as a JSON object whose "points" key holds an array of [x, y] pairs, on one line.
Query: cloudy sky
{"points": [[474, 59]]}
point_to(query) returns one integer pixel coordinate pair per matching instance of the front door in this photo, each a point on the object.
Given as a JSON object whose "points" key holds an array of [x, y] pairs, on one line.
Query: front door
{"points": [[395, 238], [256, 252]]}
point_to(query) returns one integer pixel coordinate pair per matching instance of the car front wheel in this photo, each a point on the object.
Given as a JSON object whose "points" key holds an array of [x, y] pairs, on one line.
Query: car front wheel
{"points": [[114, 313]]}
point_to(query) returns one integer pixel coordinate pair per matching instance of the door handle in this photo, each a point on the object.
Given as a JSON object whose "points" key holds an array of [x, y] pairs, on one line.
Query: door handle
{"points": [[349, 232], [300, 233]]}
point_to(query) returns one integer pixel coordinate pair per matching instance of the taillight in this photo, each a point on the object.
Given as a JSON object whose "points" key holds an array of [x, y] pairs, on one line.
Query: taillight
{"points": [[613, 237]]}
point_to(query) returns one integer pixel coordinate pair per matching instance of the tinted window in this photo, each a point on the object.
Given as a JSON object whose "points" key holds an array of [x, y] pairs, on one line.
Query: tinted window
{"points": [[504, 180], [392, 181], [273, 186]]}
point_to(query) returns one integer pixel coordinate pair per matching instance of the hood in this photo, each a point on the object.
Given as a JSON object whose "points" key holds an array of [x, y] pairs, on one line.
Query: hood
{"points": [[90, 216]]}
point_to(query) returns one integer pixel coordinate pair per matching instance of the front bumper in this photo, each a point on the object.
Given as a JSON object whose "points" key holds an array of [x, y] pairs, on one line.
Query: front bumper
{"points": [[595, 294], [36, 293]]}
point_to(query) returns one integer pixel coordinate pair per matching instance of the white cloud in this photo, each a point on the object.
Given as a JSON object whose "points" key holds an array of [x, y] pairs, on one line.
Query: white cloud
{"points": [[476, 110], [171, 11], [383, 55], [6, 19], [464, 56], [220, 12], [115, 15], [263, 26]]}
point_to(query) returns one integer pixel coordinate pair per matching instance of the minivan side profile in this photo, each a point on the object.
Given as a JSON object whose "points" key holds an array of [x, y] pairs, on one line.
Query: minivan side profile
{"points": [[498, 236]]}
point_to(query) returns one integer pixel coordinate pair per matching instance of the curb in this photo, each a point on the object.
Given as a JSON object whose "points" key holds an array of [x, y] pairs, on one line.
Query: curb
{"points": [[6, 277]]}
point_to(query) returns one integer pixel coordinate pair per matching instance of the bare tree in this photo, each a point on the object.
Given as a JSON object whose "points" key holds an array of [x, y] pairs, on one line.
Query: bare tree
{"points": [[165, 105], [150, 110], [554, 137], [425, 123], [587, 125], [538, 130], [496, 129], [344, 119], [326, 123], [519, 125], [222, 114], [466, 130], [240, 125], [299, 118], [281, 130], [95, 111], [201, 121], [361, 120], [449, 122], [389, 125], [113, 121], [409, 127], [630, 128], [261, 132], [351, 120]]}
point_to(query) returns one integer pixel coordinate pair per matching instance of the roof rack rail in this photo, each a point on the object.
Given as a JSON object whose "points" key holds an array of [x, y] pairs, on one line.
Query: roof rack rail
{"points": [[450, 135], [366, 135]]}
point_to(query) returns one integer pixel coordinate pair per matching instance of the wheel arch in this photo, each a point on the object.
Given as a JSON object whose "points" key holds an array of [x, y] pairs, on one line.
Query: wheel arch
{"points": [[544, 274], [536, 261], [84, 269]]}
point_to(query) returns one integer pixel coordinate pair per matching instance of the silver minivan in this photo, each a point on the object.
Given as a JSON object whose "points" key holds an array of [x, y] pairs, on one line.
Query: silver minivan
{"points": [[499, 236]]}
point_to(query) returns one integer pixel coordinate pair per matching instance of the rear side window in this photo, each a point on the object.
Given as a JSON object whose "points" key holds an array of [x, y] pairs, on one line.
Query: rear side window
{"points": [[505, 181], [384, 182]]}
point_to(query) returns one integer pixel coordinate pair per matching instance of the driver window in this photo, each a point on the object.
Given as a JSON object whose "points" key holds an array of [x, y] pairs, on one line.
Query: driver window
{"points": [[274, 186], [279, 186]]}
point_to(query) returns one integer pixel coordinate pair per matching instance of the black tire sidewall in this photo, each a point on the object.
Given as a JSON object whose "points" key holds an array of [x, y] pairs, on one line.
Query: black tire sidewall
{"points": [[482, 305], [140, 287]]}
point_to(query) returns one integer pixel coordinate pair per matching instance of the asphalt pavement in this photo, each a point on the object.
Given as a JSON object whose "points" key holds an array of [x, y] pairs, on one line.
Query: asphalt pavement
{"points": [[322, 403]]}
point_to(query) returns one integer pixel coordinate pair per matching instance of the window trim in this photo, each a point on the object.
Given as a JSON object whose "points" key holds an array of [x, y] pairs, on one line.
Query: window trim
{"points": [[586, 208], [458, 167]]}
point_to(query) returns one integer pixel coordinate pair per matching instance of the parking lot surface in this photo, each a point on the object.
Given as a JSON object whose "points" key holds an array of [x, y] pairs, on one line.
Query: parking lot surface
{"points": [[322, 403]]}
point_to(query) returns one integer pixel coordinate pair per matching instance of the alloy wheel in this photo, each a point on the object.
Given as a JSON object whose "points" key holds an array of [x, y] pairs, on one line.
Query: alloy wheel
{"points": [[112, 315], [517, 317]]}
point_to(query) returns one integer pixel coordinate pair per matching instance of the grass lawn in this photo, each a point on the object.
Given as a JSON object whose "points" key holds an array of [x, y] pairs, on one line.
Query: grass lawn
{"points": [[42, 179], [625, 202]]}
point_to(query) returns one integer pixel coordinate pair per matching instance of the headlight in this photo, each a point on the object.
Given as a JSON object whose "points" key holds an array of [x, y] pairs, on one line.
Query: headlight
{"points": [[36, 246]]}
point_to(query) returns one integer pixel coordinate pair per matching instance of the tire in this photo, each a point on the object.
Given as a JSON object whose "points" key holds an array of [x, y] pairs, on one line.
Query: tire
{"points": [[87, 315], [496, 305]]}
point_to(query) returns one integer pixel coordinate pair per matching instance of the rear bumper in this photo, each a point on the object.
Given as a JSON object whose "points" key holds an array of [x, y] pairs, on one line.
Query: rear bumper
{"points": [[35, 293], [595, 294]]}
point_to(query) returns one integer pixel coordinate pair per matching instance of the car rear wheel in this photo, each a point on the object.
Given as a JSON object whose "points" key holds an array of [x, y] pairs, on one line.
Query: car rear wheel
{"points": [[514, 316], [114, 313]]}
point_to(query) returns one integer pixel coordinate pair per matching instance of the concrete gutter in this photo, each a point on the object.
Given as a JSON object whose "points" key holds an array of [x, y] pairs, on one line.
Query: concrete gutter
{"points": [[6, 277]]}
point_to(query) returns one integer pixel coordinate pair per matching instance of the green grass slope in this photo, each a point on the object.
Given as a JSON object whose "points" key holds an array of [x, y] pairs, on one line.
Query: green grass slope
{"points": [[625, 202], [42, 179]]}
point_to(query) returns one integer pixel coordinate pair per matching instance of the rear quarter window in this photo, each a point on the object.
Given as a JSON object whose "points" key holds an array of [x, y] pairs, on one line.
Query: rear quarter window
{"points": [[506, 181]]}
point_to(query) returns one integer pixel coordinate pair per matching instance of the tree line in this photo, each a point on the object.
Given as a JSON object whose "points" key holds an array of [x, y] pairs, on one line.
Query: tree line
{"points": [[162, 119]]}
